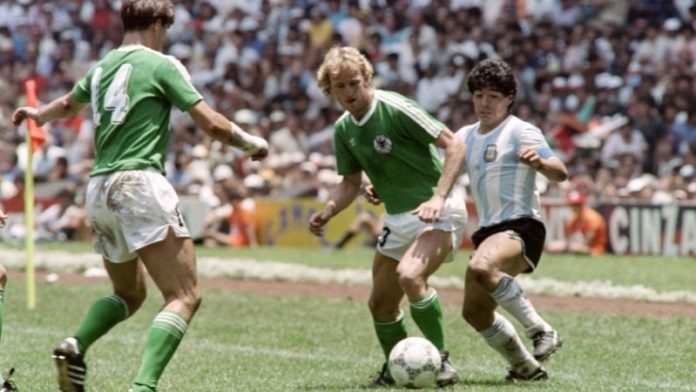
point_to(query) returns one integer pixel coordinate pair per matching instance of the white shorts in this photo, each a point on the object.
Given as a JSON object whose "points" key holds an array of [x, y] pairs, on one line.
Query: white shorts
{"points": [[401, 229], [129, 210]]}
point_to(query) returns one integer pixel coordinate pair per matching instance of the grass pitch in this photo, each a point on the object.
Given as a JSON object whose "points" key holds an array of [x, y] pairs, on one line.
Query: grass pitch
{"points": [[291, 343]]}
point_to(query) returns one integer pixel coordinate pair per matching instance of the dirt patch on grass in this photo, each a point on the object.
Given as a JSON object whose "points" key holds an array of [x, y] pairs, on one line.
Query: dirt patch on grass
{"points": [[453, 298]]}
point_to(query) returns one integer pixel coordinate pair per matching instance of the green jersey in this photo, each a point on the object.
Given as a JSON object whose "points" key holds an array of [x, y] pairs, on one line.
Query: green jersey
{"points": [[392, 144], [131, 91]]}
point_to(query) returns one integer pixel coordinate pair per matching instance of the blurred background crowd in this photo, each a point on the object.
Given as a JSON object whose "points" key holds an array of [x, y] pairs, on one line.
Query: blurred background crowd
{"points": [[611, 83]]}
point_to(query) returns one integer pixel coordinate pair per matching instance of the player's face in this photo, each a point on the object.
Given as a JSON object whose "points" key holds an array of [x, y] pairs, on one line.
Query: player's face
{"points": [[351, 90], [491, 107]]}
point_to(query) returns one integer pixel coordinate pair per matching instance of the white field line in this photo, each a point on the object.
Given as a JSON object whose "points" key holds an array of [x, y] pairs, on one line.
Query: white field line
{"points": [[288, 272]]}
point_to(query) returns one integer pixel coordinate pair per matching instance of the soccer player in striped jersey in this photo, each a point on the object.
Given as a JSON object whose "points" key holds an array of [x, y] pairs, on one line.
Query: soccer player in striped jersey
{"points": [[503, 157], [131, 206], [393, 140]]}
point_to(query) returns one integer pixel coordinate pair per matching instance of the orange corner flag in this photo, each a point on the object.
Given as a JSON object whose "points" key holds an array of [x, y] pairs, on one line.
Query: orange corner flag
{"points": [[36, 134]]}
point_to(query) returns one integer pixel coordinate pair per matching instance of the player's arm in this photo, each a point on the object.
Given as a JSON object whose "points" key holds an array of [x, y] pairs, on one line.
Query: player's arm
{"points": [[344, 194], [341, 197], [536, 153], [62, 107], [454, 151], [551, 167], [218, 127]]}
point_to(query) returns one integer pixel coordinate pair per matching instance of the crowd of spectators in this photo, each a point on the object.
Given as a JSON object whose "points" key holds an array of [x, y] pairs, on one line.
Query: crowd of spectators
{"points": [[609, 82]]}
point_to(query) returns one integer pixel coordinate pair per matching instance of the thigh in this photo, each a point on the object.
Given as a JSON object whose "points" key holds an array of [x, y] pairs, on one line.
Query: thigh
{"points": [[171, 264], [402, 230], [501, 252], [426, 253], [386, 293]]}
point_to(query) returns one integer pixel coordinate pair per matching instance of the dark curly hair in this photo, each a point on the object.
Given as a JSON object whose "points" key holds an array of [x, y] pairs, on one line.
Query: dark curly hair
{"points": [[492, 74]]}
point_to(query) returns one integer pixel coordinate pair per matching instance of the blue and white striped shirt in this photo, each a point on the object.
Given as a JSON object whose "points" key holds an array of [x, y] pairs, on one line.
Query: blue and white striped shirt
{"points": [[503, 188]]}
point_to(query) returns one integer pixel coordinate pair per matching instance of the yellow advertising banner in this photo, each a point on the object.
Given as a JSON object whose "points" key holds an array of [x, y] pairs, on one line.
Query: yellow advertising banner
{"points": [[284, 222]]}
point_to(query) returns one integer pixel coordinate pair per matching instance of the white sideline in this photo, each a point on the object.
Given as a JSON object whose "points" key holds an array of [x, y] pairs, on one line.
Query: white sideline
{"points": [[58, 261]]}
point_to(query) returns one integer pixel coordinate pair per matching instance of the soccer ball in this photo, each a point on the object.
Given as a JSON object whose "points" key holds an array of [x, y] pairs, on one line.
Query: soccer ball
{"points": [[414, 363]]}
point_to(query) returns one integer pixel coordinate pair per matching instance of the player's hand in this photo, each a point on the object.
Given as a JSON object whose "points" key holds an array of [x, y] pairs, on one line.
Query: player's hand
{"points": [[371, 195], [257, 149], [429, 211], [530, 157], [318, 220], [3, 219], [25, 112]]}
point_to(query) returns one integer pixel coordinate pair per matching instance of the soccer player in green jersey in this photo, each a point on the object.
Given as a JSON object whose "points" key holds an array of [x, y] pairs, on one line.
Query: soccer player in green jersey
{"points": [[392, 139], [131, 206]]}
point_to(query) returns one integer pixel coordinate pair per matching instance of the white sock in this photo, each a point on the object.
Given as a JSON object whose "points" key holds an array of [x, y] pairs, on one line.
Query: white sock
{"points": [[510, 296], [503, 338]]}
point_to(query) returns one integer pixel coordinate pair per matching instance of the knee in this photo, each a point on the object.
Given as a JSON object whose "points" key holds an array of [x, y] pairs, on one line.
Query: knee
{"points": [[411, 284], [480, 271]]}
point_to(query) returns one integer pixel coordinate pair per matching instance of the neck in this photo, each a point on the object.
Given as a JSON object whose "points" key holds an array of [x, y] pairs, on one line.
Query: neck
{"points": [[489, 126], [368, 98], [143, 37]]}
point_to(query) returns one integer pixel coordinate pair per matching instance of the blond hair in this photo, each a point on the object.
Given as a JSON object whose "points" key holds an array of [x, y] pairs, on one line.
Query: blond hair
{"points": [[337, 58]]}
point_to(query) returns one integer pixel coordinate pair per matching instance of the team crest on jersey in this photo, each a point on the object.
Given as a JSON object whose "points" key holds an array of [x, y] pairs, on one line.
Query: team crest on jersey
{"points": [[382, 144], [491, 153]]}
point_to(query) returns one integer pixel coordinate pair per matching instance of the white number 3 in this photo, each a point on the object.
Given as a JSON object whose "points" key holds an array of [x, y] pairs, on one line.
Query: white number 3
{"points": [[116, 98]]}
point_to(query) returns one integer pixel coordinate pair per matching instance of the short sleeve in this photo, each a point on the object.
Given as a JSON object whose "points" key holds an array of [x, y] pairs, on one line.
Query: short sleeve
{"points": [[532, 137], [419, 123], [176, 84], [81, 90]]}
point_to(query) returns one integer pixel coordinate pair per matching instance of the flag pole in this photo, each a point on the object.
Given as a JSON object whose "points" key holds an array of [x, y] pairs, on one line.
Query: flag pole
{"points": [[30, 90]]}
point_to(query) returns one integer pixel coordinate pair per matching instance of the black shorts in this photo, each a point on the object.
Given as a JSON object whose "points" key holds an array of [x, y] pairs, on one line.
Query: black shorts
{"points": [[531, 231]]}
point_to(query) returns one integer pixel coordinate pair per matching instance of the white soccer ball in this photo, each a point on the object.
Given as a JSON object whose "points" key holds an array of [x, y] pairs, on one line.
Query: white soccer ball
{"points": [[414, 363]]}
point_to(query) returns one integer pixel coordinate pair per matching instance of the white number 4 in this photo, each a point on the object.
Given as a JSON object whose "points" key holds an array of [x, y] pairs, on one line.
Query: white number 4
{"points": [[116, 98]]}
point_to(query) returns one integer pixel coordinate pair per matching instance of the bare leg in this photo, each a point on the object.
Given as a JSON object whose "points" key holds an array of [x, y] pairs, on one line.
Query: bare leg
{"points": [[172, 266], [489, 273], [385, 296]]}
